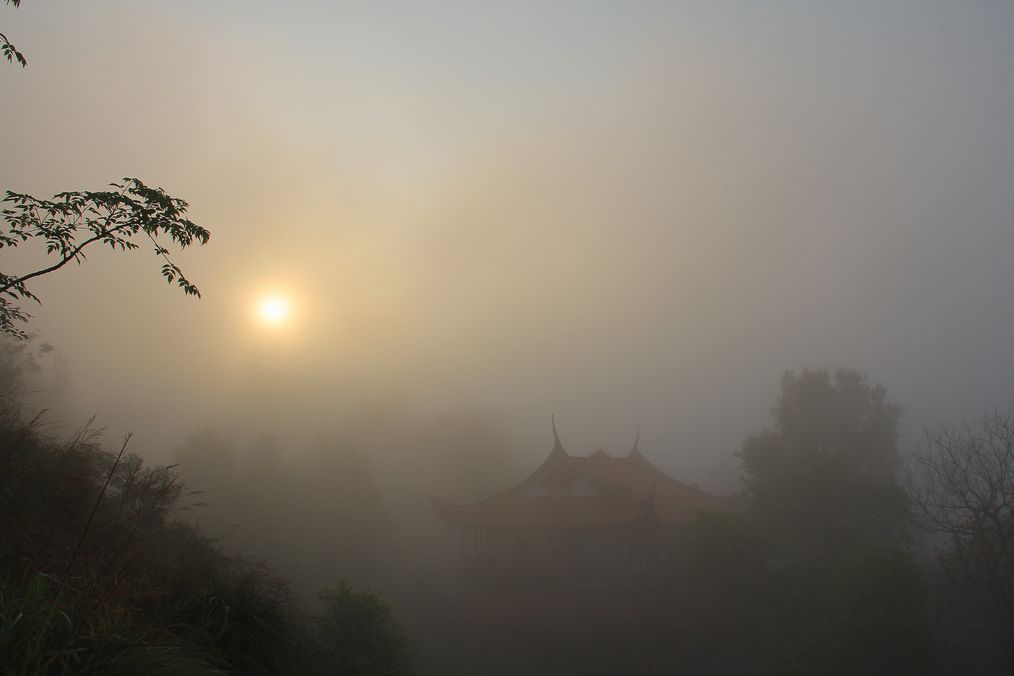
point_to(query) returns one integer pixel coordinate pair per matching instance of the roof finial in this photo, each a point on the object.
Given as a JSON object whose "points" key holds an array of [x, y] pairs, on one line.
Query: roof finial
{"points": [[637, 440], [557, 446]]}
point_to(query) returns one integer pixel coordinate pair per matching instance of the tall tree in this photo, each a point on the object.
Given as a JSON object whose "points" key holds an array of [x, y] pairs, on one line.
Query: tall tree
{"points": [[823, 528], [822, 478]]}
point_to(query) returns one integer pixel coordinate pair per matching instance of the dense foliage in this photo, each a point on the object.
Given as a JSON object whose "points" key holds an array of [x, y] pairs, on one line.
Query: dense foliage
{"points": [[816, 573], [359, 637], [822, 480], [99, 574]]}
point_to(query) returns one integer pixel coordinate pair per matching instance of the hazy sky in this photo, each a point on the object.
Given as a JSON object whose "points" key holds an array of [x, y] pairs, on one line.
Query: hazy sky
{"points": [[619, 213]]}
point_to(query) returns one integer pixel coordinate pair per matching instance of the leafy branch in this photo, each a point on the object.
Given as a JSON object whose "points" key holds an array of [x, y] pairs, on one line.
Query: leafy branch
{"points": [[72, 221], [9, 51]]}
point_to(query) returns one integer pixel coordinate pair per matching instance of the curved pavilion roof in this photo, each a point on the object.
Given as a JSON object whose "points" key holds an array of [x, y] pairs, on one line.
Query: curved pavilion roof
{"points": [[568, 491]]}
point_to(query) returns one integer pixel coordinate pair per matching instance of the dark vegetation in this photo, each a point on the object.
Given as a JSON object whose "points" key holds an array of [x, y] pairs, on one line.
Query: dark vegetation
{"points": [[962, 485], [819, 562], [100, 573], [843, 558], [846, 559]]}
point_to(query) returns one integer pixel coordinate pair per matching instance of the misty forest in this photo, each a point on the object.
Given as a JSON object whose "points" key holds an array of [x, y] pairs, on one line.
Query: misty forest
{"points": [[544, 338]]}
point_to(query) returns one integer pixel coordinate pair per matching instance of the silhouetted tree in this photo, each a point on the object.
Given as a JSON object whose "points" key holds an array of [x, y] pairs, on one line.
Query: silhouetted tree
{"points": [[817, 561], [822, 479], [962, 483]]}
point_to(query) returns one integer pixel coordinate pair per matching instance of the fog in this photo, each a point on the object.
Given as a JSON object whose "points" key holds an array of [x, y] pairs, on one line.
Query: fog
{"points": [[629, 216]]}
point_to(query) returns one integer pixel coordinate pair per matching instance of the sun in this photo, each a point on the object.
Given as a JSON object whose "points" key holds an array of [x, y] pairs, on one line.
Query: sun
{"points": [[273, 310]]}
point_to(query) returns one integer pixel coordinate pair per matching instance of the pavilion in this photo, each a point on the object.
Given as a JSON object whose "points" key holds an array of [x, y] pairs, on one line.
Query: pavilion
{"points": [[595, 520]]}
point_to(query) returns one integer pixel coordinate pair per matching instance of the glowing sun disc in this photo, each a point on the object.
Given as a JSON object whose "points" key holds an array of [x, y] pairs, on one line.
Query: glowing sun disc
{"points": [[273, 309]]}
